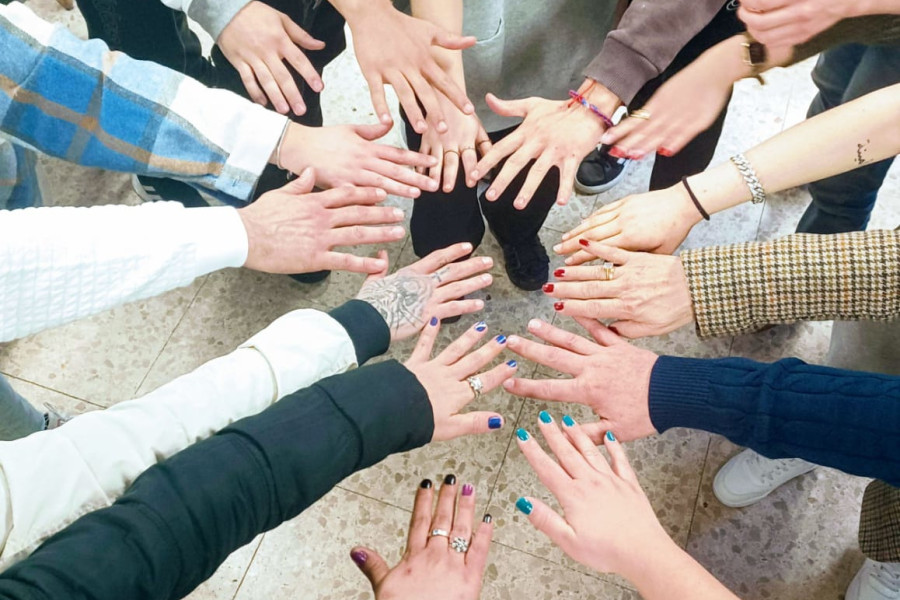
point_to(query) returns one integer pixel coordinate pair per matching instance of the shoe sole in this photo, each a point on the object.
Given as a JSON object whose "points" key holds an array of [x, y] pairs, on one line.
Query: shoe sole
{"points": [[593, 190]]}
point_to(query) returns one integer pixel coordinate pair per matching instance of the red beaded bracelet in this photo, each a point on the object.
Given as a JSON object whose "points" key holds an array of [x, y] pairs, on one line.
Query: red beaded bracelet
{"points": [[591, 107]]}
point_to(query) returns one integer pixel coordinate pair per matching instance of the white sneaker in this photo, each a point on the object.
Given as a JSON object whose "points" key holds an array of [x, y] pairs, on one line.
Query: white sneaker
{"points": [[875, 581], [749, 477], [54, 417]]}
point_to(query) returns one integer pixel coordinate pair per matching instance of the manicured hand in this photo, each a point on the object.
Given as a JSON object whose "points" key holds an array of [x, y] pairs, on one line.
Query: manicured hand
{"points": [[445, 379], [607, 522], [463, 142], [553, 134], [394, 48], [430, 567], [257, 42], [647, 295], [427, 288], [779, 23], [291, 230], [348, 155], [650, 222], [611, 376]]}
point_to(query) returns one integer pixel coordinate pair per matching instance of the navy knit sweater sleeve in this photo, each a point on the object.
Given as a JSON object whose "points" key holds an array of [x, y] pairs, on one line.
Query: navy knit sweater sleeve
{"points": [[182, 518], [788, 409]]}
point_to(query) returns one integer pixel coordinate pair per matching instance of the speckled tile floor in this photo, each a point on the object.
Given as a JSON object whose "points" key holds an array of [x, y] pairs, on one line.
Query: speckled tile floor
{"points": [[798, 543]]}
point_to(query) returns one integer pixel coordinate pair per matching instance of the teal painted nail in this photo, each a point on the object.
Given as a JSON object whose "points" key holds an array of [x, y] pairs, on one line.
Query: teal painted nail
{"points": [[545, 417], [610, 436], [568, 421], [522, 434], [524, 505]]}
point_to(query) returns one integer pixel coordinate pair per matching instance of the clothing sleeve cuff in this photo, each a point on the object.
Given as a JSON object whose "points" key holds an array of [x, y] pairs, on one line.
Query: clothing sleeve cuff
{"points": [[214, 15], [679, 393], [366, 327], [220, 237], [620, 69]]}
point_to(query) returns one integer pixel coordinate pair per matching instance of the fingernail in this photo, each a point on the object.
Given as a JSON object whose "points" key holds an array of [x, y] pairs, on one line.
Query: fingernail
{"points": [[299, 108], [480, 326], [524, 506], [421, 126], [522, 434], [479, 304], [557, 248], [386, 118], [613, 329], [606, 138], [665, 152], [442, 126], [434, 321], [512, 364], [487, 519], [487, 260], [610, 436], [501, 339], [467, 246], [545, 417], [584, 242], [426, 484], [568, 421], [559, 273], [548, 287], [360, 558], [492, 195], [399, 214], [534, 324], [486, 277], [450, 480], [616, 153], [475, 175], [495, 423], [558, 306], [469, 108], [468, 490]]}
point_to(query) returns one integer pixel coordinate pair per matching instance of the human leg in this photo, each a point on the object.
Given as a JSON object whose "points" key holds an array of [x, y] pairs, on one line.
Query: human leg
{"points": [[18, 418]]}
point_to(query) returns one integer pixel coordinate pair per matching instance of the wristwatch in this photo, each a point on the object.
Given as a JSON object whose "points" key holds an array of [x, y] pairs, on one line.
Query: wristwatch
{"points": [[755, 56]]}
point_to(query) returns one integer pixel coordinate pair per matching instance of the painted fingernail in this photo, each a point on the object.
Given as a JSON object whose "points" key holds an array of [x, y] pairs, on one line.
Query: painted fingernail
{"points": [[468, 490], [545, 417], [512, 364], [524, 506], [665, 152], [522, 434], [568, 421], [559, 273], [495, 423], [610, 436], [360, 558], [426, 484], [548, 288], [450, 480], [501, 339], [584, 242], [487, 519], [433, 321], [613, 329], [480, 326], [616, 153], [558, 306]]}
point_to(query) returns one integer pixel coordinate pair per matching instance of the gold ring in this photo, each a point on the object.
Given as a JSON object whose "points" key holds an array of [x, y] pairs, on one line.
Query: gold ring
{"points": [[640, 113], [483, 142], [609, 270], [446, 152], [461, 150]]}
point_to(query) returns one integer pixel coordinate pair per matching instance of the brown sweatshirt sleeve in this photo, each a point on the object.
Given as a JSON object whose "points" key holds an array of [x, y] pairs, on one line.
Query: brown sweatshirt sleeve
{"points": [[742, 287], [872, 30], [649, 36]]}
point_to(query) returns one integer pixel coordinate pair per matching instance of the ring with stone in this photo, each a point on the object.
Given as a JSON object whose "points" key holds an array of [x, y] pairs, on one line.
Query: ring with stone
{"points": [[460, 545], [609, 270], [440, 532], [475, 383], [640, 114]]}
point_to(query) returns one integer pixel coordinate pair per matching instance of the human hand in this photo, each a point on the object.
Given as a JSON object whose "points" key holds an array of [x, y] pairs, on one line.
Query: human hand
{"points": [[464, 141], [394, 48], [427, 288], [257, 42], [291, 230], [648, 294], [651, 222], [787, 23], [431, 568], [447, 377], [347, 155], [607, 522], [612, 377]]}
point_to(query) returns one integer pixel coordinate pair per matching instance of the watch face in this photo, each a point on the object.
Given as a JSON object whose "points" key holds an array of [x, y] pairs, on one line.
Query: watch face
{"points": [[756, 53]]}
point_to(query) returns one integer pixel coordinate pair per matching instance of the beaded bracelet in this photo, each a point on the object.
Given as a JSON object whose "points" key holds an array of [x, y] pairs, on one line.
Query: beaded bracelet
{"points": [[583, 101], [757, 191], [703, 213]]}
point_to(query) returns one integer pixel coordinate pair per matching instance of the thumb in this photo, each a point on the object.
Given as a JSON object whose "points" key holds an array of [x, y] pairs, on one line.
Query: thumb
{"points": [[507, 108], [546, 520], [595, 431], [451, 41], [470, 424], [371, 564], [303, 184], [382, 255], [372, 132], [633, 330]]}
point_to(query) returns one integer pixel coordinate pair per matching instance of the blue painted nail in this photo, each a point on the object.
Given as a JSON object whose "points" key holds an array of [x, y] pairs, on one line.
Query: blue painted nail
{"points": [[524, 505], [610, 436], [501, 339], [480, 326], [434, 321], [512, 364], [522, 434], [495, 423], [568, 421], [545, 417]]}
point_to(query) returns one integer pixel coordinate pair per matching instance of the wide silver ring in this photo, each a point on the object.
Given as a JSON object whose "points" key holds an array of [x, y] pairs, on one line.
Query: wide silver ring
{"points": [[460, 545], [440, 532], [475, 383]]}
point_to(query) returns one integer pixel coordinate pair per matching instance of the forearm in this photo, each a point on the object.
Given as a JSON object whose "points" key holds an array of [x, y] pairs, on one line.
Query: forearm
{"points": [[448, 15], [843, 419], [741, 287], [212, 15], [859, 8]]}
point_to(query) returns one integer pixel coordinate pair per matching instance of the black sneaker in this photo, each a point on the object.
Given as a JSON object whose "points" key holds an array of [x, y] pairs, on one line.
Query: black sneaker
{"points": [[158, 189], [314, 277], [527, 264], [599, 172]]}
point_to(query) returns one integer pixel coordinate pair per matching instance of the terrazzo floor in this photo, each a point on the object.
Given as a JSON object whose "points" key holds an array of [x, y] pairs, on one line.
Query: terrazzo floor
{"points": [[798, 543]]}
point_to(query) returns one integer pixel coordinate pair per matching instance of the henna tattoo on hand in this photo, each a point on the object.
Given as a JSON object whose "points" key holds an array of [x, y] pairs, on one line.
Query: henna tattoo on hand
{"points": [[400, 298]]}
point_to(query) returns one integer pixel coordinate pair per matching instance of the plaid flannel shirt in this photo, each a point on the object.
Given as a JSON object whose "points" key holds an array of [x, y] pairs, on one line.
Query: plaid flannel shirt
{"points": [[79, 101], [742, 287]]}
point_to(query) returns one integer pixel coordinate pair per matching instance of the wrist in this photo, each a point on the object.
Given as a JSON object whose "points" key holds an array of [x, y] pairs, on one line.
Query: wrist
{"points": [[289, 154], [685, 209], [600, 96], [728, 58], [658, 547], [355, 10]]}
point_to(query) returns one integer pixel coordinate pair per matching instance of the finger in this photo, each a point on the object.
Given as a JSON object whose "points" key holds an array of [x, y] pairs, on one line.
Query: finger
{"points": [[601, 232], [372, 179], [408, 101], [495, 377], [477, 555], [611, 308], [441, 258], [617, 459], [514, 165], [365, 215], [583, 290], [425, 344], [600, 332], [535, 177], [451, 170], [427, 98], [469, 160], [443, 512], [458, 307], [287, 85], [270, 86], [497, 153], [382, 271], [420, 521], [299, 36], [584, 445], [445, 85], [371, 564], [379, 99], [508, 108], [249, 80], [599, 218], [402, 175], [563, 361], [622, 130], [552, 475], [552, 390], [465, 514], [463, 288], [547, 521], [592, 272], [340, 261], [581, 257], [567, 455], [451, 41], [463, 344], [303, 185], [477, 360], [567, 180], [404, 157], [360, 234], [633, 330], [350, 196], [595, 431], [561, 338]]}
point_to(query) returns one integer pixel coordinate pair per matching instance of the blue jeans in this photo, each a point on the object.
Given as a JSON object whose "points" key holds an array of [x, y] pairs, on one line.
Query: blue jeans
{"points": [[17, 418]]}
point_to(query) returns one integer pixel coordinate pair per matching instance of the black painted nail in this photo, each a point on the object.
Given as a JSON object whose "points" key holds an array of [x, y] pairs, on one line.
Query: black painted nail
{"points": [[426, 484], [488, 518], [450, 480]]}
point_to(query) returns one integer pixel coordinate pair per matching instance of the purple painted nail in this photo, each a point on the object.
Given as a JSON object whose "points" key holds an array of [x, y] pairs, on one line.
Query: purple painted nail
{"points": [[468, 490], [434, 321], [360, 558]]}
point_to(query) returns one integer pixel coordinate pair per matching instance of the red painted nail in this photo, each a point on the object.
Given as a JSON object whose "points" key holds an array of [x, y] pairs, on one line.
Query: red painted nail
{"points": [[584, 242], [559, 306], [665, 152], [548, 287], [616, 152], [614, 330], [559, 273]]}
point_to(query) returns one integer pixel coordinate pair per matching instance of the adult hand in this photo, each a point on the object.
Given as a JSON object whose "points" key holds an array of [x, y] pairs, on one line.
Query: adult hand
{"points": [[257, 42], [431, 568], [464, 141], [780, 23], [427, 289], [652, 222], [291, 230], [607, 522], [648, 294], [348, 155], [612, 377], [394, 48]]}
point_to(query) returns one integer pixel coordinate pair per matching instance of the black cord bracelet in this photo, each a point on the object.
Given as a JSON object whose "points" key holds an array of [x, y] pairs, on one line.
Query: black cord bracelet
{"points": [[693, 196]]}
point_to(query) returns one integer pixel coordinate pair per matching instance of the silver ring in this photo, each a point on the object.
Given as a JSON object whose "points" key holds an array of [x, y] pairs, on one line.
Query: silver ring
{"points": [[440, 532], [475, 383], [460, 545]]}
